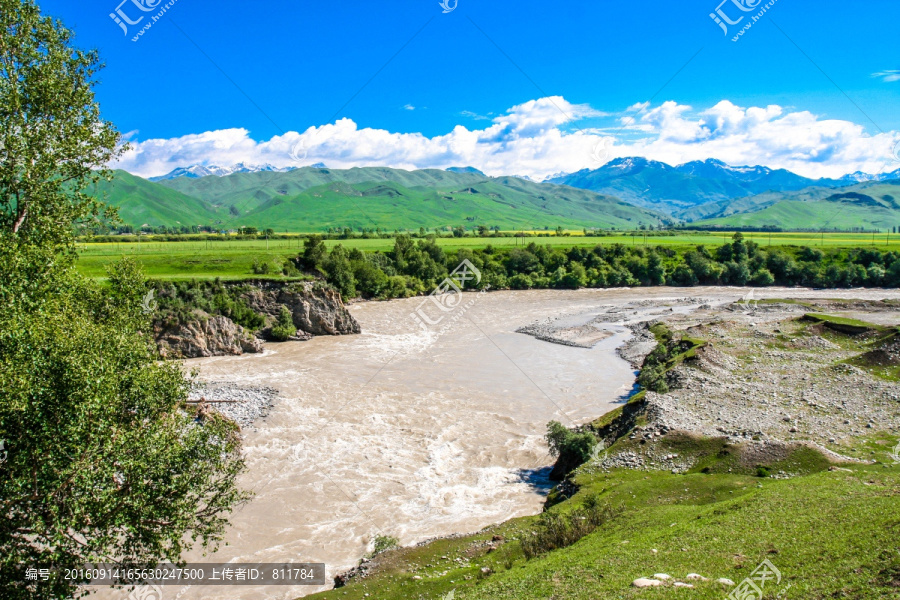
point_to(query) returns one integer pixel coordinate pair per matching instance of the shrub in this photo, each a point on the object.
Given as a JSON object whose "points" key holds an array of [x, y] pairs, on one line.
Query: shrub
{"points": [[654, 379], [284, 328], [763, 277], [569, 446], [290, 269], [521, 281], [556, 531], [261, 267], [383, 543]]}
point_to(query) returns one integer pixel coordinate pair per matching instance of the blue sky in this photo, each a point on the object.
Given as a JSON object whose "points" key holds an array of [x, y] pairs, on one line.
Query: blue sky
{"points": [[261, 71]]}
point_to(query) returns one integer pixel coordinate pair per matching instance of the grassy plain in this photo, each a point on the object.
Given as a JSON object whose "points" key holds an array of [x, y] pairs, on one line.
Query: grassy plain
{"points": [[233, 258]]}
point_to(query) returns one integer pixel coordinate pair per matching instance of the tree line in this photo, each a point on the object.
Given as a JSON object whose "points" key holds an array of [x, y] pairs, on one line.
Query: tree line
{"points": [[415, 266]]}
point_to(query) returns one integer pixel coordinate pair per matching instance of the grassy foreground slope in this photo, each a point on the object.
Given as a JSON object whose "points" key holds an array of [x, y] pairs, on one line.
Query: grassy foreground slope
{"points": [[831, 534]]}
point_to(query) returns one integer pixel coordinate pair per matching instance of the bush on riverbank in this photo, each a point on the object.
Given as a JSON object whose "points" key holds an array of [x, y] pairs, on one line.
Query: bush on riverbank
{"points": [[569, 446], [383, 543], [555, 530], [284, 328]]}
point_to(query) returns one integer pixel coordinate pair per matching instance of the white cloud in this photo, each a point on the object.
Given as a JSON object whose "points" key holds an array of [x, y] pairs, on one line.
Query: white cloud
{"points": [[539, 138], [409, 107], [888, 76], [476, 116]]}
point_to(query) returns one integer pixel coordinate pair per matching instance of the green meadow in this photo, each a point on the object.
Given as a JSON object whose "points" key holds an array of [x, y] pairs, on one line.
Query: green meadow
{"points": [[233, 258]]}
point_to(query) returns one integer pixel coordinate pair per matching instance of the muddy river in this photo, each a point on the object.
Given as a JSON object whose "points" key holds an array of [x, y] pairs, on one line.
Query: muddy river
{"points": [[419, 432]]}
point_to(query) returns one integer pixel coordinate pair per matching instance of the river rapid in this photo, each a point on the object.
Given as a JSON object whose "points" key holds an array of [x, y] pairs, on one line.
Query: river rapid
{"points": [[415, 432]]}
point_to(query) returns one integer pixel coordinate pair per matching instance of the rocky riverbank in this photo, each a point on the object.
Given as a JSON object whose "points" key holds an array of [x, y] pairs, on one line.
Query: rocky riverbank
{"points": [[315, 310], [559, 330], [242, 404], [580, 336], [768, 379]]}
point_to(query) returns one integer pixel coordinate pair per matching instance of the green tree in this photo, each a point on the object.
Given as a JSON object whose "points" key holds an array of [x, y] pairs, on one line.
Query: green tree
{"points": [[340, 272], [371, 281], [656, 272], [105, 461], [51, 135], [284, 327], [314, 252]]}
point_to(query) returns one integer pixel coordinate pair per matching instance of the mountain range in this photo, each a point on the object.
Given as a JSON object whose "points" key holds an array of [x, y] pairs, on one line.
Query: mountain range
{"points": [[872, 205], [313, 199], [679, 190], [197, 171], [624, 193]]}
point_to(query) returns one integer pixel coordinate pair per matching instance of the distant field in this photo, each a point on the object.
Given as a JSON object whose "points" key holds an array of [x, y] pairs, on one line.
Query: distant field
{"points": [[234, 259]]}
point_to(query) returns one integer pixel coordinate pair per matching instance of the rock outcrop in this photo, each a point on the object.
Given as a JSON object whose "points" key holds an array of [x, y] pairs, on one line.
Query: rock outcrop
{"points": [[316, 310], [207, 335]]}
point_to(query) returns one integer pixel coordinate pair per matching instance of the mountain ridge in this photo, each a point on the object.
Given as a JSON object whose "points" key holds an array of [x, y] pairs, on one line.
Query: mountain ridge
{"points": [[312, 199], [199, 171], [677, 189]]}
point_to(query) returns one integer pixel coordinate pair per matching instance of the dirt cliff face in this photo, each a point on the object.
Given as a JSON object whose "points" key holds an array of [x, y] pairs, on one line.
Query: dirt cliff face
{"points": [[316, 310]]}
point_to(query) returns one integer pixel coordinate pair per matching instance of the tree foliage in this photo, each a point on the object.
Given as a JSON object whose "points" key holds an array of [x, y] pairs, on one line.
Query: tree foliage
{"points": [[104, 461], [51, 135], [569, 445], [416, 266], [284, 327]]}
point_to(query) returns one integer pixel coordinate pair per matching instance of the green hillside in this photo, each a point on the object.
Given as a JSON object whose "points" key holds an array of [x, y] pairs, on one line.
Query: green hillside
{"points": [[247, 191], [507, 203], [142, 202], [867, 205], [315, 199]]}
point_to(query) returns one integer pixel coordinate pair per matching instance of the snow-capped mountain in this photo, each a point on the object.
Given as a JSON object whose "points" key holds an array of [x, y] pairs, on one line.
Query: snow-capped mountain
{"points": [[860, 177], [653, 184], [632, 164], [716, 169], [558, 175], [196, 171]]}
